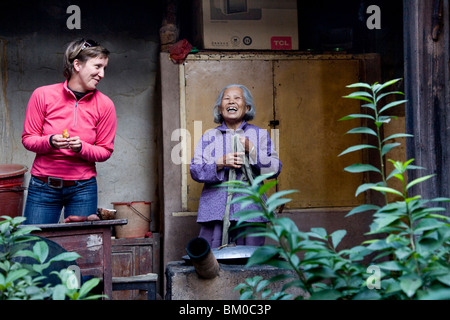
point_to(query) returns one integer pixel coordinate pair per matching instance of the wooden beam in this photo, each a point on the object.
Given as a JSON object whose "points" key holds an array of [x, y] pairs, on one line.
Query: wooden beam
{"points": [[426, 62]]}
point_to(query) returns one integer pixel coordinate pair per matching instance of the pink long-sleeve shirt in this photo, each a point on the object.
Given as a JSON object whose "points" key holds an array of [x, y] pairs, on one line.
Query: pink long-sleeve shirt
{"points": [[52, 109]]}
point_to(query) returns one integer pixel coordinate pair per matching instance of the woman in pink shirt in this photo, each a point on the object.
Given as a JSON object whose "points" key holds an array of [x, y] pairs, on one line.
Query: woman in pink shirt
{"points": [[63, 172]]}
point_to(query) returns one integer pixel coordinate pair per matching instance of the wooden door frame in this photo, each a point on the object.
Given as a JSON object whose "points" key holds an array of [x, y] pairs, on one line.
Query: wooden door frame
{"points": [[426, 64]]}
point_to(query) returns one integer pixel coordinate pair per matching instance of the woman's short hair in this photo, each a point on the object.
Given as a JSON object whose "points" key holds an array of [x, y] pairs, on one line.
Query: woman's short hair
{"points": [[82, 50], [249, 115]]}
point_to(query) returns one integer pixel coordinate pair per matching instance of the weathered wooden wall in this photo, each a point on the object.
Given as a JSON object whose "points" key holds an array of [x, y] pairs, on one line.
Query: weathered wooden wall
{"points": [[426, 52]]}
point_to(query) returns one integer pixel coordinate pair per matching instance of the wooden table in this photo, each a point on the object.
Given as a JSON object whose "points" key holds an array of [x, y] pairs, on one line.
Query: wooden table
{"points": [[91, 240]]}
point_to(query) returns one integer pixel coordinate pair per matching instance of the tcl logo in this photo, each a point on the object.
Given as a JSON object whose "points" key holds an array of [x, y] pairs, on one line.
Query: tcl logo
{"points": [[281, 43]]}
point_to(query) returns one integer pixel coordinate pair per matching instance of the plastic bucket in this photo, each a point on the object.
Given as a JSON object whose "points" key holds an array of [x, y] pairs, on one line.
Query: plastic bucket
{"points": [[138, 215], [12, 178]]}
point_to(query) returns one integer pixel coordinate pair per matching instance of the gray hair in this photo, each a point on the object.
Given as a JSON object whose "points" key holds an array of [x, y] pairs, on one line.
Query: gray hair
{"points": [[249, 115]]}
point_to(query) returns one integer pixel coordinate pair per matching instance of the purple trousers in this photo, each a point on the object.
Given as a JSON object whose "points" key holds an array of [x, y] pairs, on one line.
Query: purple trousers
{"points": [[212, 232]]}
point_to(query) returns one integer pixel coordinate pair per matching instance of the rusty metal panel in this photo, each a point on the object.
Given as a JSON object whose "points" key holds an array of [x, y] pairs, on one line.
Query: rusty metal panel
{"points": [[308, 104], [204, 80], [304, 94]]}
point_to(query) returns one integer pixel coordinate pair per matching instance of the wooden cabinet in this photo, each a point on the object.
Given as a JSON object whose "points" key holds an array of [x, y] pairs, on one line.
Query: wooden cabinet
{"points": [[91, 240], [132, 257], [299, 100], [299, 97]]}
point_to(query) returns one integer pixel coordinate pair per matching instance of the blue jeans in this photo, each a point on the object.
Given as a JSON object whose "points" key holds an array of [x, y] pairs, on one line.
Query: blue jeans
{"points": [[44, 203]]}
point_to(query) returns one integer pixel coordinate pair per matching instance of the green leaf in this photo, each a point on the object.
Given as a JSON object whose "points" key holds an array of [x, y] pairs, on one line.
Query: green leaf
{"points": [[66, 256], [26, 253], [441, 199], [41, 267], [427, 224], [381, 96], [40, 249], [320, 233], [383, 119], [277, 195], [356, 116], [246, 215], [262, 285], [240, 286], [360, 85], [367, 295], [390, 266], [246, 295], [356, 148], [418, 180], [362, 208], [15, 275], [259, 179], [2, 282], [25, 231], [87, 287], [445, 279], [386, 84], [329, 294], [275, 203], [410, 284], [286, 224], [233, 183], [278, 263], [364, 187], [388, 147], [359, 167], [388, 190], [263, 189], [392, 104], [246, 191], [262, 255], [386, 220], [59, 292], [403, 252], [370, 106], [363, 130], [294, 283], [438, 294], [337, 236], [398, 135], [245, 201], [252, 282], [360, 95]]}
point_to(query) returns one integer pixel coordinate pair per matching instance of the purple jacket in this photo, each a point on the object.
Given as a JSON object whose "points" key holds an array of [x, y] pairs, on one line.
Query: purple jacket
{"points": [[214, 144]]}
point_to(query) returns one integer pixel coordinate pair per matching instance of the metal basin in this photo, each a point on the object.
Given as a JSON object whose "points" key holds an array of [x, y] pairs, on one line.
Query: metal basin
{"points": [[231, 254]]}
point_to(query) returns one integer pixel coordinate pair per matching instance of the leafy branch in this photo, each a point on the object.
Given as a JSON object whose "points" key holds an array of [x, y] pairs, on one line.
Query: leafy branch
{"points": [[412, 243], [24, 281]]}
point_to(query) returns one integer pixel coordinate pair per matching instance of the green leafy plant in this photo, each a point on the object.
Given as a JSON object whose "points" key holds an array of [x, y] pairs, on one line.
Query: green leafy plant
{"points": [[23, 281], [413, 248], [320, 270], [411, 245], [63, 290]]}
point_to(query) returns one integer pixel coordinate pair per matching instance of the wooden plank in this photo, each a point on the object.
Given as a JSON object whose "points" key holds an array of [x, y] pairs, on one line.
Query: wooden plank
{"points": [[308, 104], [85, 224], [428, 93], [139, 278]]}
